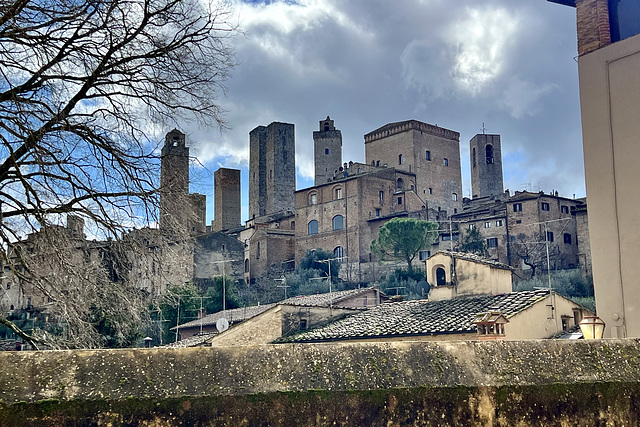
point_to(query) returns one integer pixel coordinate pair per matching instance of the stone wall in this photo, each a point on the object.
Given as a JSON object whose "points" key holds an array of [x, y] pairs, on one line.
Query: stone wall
{"points": [[525, 383]]}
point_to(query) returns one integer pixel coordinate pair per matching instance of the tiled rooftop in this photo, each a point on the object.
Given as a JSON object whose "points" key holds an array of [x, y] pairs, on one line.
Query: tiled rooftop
{"points": [[475, 258], [233, 316], [237, 315], [419, 317]]}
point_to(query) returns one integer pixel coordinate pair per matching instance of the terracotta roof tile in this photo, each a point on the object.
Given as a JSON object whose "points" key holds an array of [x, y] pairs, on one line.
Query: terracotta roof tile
{"points": [[419, 317]]}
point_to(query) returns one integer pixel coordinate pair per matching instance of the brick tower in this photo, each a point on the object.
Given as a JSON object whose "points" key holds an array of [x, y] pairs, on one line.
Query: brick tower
{"points": [[327, 143]]}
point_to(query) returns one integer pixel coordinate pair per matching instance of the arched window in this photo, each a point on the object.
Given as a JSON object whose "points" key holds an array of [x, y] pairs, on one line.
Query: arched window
{"points": [[338, 252], [312, 227], [454, 197], [326, 151], [474, 156], [246, 265], [489, 150], [441, 276], [313, 198], [400, 184], [338, 222], [326, 127]]}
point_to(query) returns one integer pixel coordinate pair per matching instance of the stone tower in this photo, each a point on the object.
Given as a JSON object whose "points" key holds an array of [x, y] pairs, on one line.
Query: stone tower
{"points": [[227, 199], [486, 166], [327, 143], [430, 152], [174, 180], [272, 169]]}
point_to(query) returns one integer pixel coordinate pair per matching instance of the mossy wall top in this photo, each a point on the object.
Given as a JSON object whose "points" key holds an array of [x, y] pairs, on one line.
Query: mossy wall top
{"points": [[169, 373]]}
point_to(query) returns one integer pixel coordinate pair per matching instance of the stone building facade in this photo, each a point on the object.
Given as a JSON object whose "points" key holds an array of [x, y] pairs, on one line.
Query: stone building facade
{"points": [[226, 183], [430, 152], [327, 151], [344, 215], [517, 229]]}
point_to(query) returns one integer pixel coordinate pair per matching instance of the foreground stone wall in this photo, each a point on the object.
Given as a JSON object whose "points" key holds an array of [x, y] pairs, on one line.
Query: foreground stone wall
{"points": [[403, 383]]}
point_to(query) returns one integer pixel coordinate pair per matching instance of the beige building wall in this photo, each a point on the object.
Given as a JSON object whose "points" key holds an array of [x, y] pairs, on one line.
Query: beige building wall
{"points": [[536, 322], [471, 277], [261, 329], [610, 99]]}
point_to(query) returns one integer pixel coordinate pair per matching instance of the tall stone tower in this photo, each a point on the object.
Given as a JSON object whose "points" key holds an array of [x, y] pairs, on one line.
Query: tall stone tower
{"points": [[486, 166], [227, 199], [174, 181], [272, 169], [327, 143]]}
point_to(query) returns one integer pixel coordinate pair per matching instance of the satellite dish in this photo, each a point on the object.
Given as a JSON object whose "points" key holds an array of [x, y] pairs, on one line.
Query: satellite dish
{"points": [[222, 324], [423, 288]]}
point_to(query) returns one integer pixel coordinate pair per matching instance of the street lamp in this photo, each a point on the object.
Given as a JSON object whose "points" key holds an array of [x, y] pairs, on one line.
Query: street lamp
{"points": [[592, 327]]}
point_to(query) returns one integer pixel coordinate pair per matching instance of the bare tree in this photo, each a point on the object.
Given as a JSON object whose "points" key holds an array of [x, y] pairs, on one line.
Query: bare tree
{"points": [[84, 84], [531, 249]]}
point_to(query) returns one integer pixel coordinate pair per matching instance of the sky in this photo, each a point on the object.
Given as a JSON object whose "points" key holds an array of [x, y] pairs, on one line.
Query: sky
{"points": [[507, 65]]}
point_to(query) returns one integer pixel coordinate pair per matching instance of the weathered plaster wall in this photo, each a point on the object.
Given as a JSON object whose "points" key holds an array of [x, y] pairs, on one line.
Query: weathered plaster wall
{"points": [[463, 383]]}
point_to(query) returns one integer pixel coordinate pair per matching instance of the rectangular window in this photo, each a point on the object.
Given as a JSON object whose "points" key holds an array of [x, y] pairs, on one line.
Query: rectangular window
{"points": [[381, 194], [430, 190], [424, 255], [428, 155], [499, 223], [567, 238], [518, 221], [472, 226], [517, 207], [564, 209], [399, 159], [399, 200], [492, 243], [487, 224], [338, 193], [378, 211], [326, 151], [445, 161], [446, 237], [545, 206], [550, 236], [314, 199]]}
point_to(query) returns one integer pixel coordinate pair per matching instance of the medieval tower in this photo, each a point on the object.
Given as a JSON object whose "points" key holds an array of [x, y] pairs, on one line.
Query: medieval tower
{"points": [[327, 143], [486, 166], [430, 152], [180, 211], [272, 169], [227, 199], [174, 180]]}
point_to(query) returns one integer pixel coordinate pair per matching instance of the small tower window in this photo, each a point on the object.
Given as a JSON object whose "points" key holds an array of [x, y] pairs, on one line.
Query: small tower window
{"points": [[445, 161], [326, 151], [399, 159], [381, 195], [454, 197], [337, 193], [489, 150], [428, 155], [400, 184]]}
